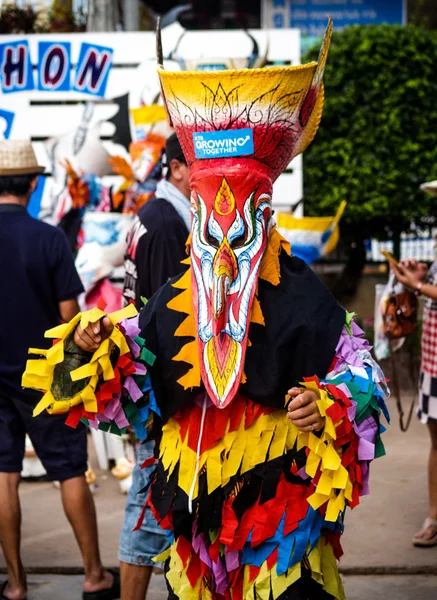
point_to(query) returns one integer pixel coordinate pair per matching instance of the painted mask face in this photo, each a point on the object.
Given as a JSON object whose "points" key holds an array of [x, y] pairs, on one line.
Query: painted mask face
{"points": [[230, 229]]}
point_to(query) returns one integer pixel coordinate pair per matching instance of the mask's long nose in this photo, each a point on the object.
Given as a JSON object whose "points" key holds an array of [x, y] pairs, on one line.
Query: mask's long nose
{"points": [[224, 273]]}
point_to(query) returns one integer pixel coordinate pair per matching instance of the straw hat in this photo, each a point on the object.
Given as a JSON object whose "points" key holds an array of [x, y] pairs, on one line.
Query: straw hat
{"points": [[17, 157]]}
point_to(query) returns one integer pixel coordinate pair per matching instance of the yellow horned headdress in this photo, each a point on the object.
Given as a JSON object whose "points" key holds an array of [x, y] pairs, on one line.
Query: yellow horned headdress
{"points": [[238, 130]]}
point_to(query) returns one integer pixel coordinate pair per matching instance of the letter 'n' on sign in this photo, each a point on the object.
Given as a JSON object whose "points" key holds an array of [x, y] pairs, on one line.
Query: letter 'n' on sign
{"points": [[16, 67], [93, 69], [54, 66]]}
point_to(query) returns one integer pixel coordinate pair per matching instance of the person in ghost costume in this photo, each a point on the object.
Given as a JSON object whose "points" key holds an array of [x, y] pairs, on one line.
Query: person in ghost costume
{"points": [[258, 387]]}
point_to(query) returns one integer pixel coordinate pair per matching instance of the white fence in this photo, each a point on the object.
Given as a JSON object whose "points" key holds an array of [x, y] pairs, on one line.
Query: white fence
{"points": [[413, 245]]}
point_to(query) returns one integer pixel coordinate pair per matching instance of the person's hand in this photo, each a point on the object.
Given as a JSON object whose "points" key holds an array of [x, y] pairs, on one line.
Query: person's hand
{"points": [[408, 276], [92, 336], [422, 271], [418, 268], [303, 410]]}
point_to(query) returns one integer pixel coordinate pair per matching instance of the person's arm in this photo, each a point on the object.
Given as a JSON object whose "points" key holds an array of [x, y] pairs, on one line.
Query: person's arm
{"points": [[68, 309], [66, 281]]}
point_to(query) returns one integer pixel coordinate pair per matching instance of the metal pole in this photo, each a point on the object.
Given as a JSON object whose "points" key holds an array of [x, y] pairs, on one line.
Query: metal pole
{"points": [[131, 15]]}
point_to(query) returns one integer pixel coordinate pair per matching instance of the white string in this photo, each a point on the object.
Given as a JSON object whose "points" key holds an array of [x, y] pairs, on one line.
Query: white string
{"points": [[196, 468]]}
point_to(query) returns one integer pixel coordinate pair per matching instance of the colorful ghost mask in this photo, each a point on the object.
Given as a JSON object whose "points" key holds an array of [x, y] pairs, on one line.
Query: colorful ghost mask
{"points": [[238, 129]]}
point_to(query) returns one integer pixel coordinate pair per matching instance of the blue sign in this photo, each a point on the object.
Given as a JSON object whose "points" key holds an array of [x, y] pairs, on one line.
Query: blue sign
{"points": [[93, 69], [310, 16], [16, 67], [222, 144], [6, 120], [34, 206], [54, 65]]}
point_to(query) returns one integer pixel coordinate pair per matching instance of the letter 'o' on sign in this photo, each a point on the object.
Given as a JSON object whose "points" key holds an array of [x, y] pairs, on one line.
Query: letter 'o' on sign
{"points": [[54, 66]]}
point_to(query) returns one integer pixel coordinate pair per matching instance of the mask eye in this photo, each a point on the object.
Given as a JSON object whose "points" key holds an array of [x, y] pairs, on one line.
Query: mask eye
{"points": [[212, 241], [239, 241]]}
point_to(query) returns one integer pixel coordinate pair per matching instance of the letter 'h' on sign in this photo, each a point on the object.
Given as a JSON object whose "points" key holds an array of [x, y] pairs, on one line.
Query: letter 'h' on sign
{"points": [[16, 67], [54, 68]]}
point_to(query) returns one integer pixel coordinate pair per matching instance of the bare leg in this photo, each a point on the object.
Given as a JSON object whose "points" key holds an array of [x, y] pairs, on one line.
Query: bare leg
{"points": [[10, 535], [429, 532], [134, 581], [79, 507]]}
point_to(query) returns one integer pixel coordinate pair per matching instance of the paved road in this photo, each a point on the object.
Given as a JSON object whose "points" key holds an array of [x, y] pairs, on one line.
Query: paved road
{"points": [[363, 587]]}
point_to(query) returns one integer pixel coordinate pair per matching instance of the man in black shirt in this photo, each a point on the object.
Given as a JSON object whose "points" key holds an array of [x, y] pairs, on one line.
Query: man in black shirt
{"points": [[156, 242], [39, 287], [156, 247]]}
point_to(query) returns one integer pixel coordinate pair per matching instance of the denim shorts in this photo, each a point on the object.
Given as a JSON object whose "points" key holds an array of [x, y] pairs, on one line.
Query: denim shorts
{"points": [[139, 547]]}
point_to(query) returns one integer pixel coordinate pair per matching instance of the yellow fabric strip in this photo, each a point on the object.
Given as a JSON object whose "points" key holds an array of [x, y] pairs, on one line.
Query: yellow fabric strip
{"points": [[39, 373], [269, 437], [334, 484], [40, 351], [127, 312]]}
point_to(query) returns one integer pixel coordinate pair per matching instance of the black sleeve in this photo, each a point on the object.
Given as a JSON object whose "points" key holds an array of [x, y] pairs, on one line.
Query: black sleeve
{"points": [[162, 253], [158, 324], [66, 281]]}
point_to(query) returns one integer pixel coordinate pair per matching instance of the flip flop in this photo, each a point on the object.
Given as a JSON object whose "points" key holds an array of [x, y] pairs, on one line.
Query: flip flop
{"points": [[432, 541], [2, 589], [112, 593]]}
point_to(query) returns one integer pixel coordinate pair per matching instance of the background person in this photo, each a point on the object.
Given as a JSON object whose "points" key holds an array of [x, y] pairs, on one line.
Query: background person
{"points": [[39, 280], [156, 247], [415, 276], [156, 242]]}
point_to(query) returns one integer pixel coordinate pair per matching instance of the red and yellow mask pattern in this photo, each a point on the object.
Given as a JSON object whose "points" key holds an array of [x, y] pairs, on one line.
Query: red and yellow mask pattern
{"points": [[229, 235]]}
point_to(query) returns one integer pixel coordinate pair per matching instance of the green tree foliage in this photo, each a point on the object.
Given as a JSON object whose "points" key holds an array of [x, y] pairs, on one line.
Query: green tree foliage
{"points": [[377, 141]]}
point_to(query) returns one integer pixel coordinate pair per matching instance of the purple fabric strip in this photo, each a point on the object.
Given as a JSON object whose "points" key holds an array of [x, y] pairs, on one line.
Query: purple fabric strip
{"points": [[367, 429], [352, 411], [220, 575], [120, 418], [366, 450], [93, 424], [219, 571], [134, 391], [303, 474], [112, 406], [140, 369], [232, 560], [365, 471], [133, 346], [348, 346], [103, 419], [132, 330], [131, 326]]}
